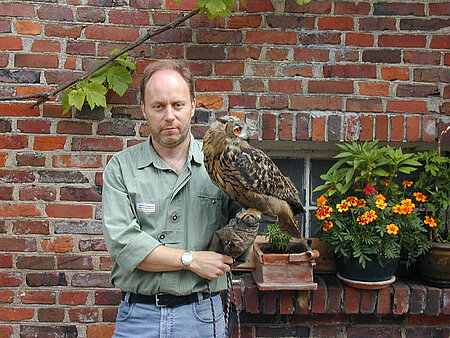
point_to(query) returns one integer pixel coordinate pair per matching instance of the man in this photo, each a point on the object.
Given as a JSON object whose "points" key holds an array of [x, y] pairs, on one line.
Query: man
{"points": [[160, 211]]}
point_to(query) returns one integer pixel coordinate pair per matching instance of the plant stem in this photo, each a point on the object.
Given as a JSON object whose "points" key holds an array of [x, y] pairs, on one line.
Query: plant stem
{"points": [[45, 96]]}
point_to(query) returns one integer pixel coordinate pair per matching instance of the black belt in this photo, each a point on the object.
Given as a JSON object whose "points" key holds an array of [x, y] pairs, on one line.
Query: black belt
{"points": [[163, 300]]}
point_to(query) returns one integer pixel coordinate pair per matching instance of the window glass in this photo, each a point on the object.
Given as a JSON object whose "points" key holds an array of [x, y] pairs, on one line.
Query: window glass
{"points": [[318, 167]]}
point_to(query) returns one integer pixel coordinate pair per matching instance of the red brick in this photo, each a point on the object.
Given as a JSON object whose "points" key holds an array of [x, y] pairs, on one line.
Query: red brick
{"points": [[382, 8], [364, 105], [115, 33], [34, 126], [108, 297], [73, 297], [316, 7], [429, 129], [46, 279], [17, 9], [205, 53], [274, 102], [358, 39], [247, 101], [50, 314], [333, 294], [16, 314], [92, 245], [421, 58], [424, 320], [34, 193], [377, 24], [347, 7], [6, 297], [373, 88], [38, 297], [55, 13], [351, 127], [286, 302], [351, 300], [213, 85], [418, 300], [6, 261], [49, 143], [285, 86], [440, 42], [58, 244], [74, 263], [3, 157], [269, 126], [107, 264], [401, 296], [432, 75], [311, 54], [80, 48], [229, 68], [97, 144], [74, 127], [10, 279], [325, 38], [36, 60], [384, 301], [186, 5], [243, 52], [347, 55], [89, 14], [64, 31], [381, 127], [350, 71], [330, 87], [134, 18], [10, 43], [77, 161], [28, 27], [285, 127], [319, 297], [69, 211], [270, 302], [250, 21], [303, 126], [397, 123], [218, 36], [368, 301], [209, 101], [440, 9], [446, 302], [97, 331], [19, 210], [316, 103], [407, 41], [6, 193], [366, 133], [277, 54], [318, 128], [302, 302], [24, 227], [415, 107], [335, 23], [271, 37], [395, 73], [201, 20]]}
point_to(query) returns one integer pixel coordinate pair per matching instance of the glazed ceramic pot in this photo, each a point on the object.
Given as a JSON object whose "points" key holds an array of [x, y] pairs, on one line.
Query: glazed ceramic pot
{"points": [[433, 268]]}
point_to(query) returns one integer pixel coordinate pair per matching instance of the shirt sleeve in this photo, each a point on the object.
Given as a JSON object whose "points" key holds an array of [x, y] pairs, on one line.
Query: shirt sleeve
{"points": [[127, 244]]}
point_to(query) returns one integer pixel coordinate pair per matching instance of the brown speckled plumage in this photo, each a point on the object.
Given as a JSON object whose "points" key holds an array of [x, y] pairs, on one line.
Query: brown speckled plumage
{"points": [[248, 175]]}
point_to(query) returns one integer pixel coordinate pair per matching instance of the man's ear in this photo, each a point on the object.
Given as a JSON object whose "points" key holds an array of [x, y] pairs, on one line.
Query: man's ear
{"points": [[194, 103], [143, 109]]}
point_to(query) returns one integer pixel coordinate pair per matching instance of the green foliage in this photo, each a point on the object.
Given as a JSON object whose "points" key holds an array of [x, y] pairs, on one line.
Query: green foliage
{"points": [[223, 8], [366, 211], [434, 181], [279, 241], [115, 77]]}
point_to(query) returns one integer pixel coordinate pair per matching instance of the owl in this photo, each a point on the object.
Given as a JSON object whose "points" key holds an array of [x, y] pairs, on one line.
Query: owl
{"points": [[247, 175]]}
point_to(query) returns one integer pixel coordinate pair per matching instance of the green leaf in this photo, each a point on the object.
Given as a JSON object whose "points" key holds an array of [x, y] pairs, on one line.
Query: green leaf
{"points": [[65, 100], [118, 79], [303, 2], [76, 98], [95, 94], [126, 63]]}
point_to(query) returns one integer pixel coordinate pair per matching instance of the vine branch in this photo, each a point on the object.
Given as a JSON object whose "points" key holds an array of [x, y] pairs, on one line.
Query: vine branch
{"points": [[45, 96]]}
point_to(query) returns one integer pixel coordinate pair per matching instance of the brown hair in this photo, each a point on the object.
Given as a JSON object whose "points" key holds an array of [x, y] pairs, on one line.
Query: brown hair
{"points": [[180, 66]]}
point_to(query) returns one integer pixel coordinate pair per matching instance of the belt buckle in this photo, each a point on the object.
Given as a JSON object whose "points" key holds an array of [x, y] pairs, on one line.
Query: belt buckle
{"points": [[157, 301]]}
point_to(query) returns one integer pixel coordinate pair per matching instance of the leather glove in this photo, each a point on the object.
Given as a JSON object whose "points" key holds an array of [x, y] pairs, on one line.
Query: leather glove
{"points": [[238, 235]]}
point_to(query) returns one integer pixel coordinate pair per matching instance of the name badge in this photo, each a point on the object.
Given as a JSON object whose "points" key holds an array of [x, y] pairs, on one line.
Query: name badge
{"points": [[146, 207]]}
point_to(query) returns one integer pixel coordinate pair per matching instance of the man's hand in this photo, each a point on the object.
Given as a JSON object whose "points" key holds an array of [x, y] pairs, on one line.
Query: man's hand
{"points": [[209, 264]]}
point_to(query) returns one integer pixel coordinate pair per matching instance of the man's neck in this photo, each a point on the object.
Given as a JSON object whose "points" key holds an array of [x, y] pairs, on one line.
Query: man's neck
{"points": [[176, 156]]}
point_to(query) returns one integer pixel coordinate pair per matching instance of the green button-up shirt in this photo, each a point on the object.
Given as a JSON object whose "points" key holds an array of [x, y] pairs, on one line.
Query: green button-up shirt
{"points": [[146, 204]]}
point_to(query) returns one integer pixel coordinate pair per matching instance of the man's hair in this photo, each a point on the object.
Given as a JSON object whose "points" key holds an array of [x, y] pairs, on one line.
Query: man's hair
{"points": [[177, 65]]}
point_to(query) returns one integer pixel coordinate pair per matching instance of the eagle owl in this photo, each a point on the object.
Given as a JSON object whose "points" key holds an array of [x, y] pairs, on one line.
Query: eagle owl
{"points": [[248, 175]]}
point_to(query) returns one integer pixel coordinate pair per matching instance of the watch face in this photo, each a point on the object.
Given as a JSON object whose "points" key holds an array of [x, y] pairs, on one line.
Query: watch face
{"points": [[186, 258]]}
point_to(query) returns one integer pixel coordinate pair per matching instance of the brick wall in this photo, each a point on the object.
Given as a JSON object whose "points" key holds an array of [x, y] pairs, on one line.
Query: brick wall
{"points": [[328, 71]]}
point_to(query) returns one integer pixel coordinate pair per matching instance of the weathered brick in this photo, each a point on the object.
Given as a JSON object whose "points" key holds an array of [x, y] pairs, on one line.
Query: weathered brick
{"points": [[213, 85], [94, 331], [6, 297], [243, 52], [432, 75], [416, 90], [74, 161], [28, 27], [382, 127], [74, 127], [89, 14], [401, 297], [376, 24], [6, 193], [311, 54], [395, 73], [219, 36], [315, 103], [74, 262], [107, 264], [285, 127], [108, 297], [382, 8], [56, 176], [397, 128], [24, 227], [392, 332], [428, 129], [351, 127], [51, 314], [269, 126], [433, 301], [318, 7], [46, 279], [357, 39], [271, 37], [84, 315], [97, 144], [205, 53], [78, 227], [91, 280], [318, 128], [55, 13], [34, 193], [29, 331], [36, 262], [80, 48], [134, 18], [211, 101], [368, 301], [8, 243], [49, 143], [440, 42], [229, 68], [38, 297], [10, 279], [373, 88], [366, 133], [364, 105], [16, 314], [383, 300], [416, 107], [117, 127], [6, 261], [303, 126], [58, 244], [92, 245], [73, 297], [334, 128], [381, 56], [274, 102], [17, 9], [406, 41], [326, 38], [319, 297], [335, 23], [330, 87], [285, 86], [347, 7], [64, 31]]}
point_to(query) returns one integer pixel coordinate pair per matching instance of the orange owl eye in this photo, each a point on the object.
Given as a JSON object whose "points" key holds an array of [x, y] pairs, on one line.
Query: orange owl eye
{"points": [[237, 130]]}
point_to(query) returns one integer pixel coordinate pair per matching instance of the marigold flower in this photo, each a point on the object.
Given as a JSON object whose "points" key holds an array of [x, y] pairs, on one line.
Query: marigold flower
{"points": [[327, 225], [430, 221], [407, 184], [392, 229], [352, 200], [380, 197], [405, 207], [361, 203], [381, 204], [369, 189], [322, 201], [420, 197], [386, 182], [367, 217], [343, 206], [324, 212]]}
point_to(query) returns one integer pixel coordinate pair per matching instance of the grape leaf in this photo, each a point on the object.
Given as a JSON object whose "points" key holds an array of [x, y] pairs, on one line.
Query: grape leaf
{"points": [[118, 79], [65, 100], [95, 94], [76, 98]]}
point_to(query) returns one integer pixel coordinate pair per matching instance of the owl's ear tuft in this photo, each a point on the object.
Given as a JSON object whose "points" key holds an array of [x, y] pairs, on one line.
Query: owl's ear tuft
{"points": [[221, 120]]}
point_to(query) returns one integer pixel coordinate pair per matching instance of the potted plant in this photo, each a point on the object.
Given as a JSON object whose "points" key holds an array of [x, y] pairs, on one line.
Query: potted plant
{"points": [[434, 267], [283, 264], [368, 213]]}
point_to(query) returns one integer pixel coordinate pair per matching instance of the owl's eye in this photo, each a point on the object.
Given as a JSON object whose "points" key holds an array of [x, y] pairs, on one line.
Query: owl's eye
{"points": [[237, 130]]}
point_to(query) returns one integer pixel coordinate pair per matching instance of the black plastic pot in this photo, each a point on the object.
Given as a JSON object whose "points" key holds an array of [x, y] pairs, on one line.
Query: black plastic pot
{"points": [[373, 272]]}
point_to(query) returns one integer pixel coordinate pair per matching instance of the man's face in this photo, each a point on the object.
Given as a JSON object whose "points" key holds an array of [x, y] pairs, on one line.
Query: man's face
{"points": [[168, 108]]}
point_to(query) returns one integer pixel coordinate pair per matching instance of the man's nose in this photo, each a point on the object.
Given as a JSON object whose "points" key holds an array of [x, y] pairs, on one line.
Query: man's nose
{"points": [[169, 115]]}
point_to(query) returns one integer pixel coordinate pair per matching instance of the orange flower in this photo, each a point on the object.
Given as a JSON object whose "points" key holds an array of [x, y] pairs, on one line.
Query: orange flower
{"points": [[322, 201], [407, 184], [430, 221], [380, 202], [404, 208], [380, 197], [392, 229], [324, 212], [361, 203], [420, 197], [367, 217], [352, 200], [327, 225], [344, 206]]}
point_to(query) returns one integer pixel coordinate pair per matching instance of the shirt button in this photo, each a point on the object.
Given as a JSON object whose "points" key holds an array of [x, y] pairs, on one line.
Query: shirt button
{"points": [[162, 236], [213, 201], [174, 217]]}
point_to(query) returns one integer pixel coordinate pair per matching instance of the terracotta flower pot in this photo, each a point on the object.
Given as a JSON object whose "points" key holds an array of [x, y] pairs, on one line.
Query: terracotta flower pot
{"points": [[434, 267], [292, 271]]}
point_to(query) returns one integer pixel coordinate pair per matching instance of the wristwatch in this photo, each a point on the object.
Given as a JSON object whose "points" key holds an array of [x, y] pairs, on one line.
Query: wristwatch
{"points": [[186, 259]]}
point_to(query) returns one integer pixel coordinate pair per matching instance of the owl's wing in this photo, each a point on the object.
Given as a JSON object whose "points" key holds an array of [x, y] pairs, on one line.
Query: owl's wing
{"points": [[259, 173]]}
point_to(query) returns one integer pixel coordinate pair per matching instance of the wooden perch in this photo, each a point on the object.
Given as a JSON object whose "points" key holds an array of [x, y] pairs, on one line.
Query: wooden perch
{"points": [[45, 96]]}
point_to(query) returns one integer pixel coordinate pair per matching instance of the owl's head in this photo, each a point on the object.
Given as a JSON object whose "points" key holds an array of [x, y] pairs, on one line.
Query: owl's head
{"points": [[235, 129]]}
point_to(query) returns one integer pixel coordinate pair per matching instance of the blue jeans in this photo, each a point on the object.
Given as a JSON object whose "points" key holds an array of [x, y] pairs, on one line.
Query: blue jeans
{"points": [[138, 320]]}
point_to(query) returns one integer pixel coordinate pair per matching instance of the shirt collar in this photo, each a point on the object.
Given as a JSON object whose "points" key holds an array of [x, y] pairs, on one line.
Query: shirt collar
{"points": [[150, 156]]}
